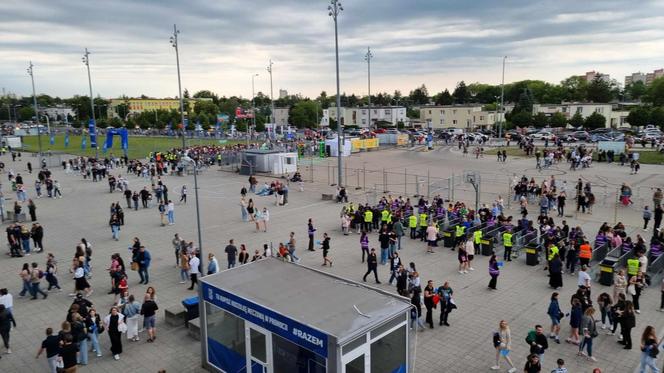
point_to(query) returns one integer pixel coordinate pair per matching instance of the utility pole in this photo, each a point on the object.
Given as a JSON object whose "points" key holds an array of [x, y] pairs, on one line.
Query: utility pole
{"points": [[86, 61], [253, 108], [272, 119], [502, 102], [34, 101], [334, 9], [368, 57]]}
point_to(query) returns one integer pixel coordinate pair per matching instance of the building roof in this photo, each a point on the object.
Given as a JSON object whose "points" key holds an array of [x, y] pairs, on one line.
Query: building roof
{"points": [[262, 151], [311, 297]]}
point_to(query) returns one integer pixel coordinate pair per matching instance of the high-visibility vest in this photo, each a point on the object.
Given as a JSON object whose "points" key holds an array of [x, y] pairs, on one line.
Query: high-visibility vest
{"points": [[585, 251], [632, 266], [389, 217], [553, 251], [460, 230], [423, 220], [351, 208], [507, 239], [477, 235], [368, 216], [412, 221], [384, 215]]}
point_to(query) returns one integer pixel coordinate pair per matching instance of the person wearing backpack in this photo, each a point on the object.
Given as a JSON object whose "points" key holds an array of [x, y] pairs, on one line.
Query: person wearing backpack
{"points": [[649, 350], [502, 342], [537, 342], [36, 275], [589, 328]]}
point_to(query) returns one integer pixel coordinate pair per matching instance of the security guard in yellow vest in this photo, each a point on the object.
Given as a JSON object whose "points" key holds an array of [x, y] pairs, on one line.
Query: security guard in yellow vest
{"points": [[412, 224], [351, 208], [507, 243], [460, 234], [632, 267], [477, 241], [368, 220], [424, 223], [384, 216]]}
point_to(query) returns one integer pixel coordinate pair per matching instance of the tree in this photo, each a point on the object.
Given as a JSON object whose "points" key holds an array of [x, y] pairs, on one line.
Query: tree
{"points": [[540, 120], [521, 119], [461, 93], [525, 103], [574, 88], [655, 94], [412, 113], [324, 100], [207, 94], [116, 122], [576, 121], [419, 96], [599, 90], [207, 107], [635, 90], [332, 125], [638, 116], [304, 114], [26, 113], [443, 98], [595, 121], [484, 93], [557, 120], [657, 116]]}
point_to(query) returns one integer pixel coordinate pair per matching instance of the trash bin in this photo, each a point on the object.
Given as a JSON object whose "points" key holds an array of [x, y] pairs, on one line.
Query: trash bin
{"points": [[191, 305], [532, 257], [606, 272], [449, 236], [487, 245]]}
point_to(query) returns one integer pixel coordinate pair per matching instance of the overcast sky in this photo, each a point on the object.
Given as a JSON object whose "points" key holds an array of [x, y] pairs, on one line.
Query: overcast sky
{"points": [[224, 42]]}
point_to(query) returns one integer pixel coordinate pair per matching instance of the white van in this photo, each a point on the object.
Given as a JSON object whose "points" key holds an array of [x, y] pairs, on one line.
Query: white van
{"points": [[454, 131]]}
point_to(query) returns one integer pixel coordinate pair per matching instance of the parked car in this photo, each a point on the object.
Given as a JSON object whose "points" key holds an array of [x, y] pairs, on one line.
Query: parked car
{"points": [[581, 135], [543, 135]]}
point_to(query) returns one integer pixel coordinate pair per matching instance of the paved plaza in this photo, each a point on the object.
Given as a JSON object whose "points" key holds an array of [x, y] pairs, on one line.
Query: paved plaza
{"points": [[466, 346]]}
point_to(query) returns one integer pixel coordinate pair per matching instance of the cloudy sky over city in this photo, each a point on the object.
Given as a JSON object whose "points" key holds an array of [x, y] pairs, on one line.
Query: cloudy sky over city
{"points": [[222, 43]]}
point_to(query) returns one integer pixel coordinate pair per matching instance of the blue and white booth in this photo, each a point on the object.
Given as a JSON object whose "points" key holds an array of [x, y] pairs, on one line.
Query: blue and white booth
{"points": [[271, 316]]}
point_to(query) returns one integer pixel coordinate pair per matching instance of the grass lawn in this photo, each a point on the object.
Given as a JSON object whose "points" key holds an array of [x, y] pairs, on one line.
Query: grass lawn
{"points": [[139, 146], [645, 156]]}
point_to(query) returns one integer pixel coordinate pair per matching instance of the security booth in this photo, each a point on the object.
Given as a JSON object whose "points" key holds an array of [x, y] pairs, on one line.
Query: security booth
{"points": [[272, 316], [269, 161]]}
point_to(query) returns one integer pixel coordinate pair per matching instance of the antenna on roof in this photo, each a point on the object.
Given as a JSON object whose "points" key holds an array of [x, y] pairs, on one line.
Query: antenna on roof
{"points": [[360, 312]]}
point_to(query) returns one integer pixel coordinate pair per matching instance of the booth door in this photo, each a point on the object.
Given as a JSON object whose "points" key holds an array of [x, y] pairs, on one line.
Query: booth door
{"points": [[259, 349], [356, 361]]}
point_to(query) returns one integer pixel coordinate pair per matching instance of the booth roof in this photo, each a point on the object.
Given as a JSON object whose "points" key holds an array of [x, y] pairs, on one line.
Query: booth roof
{"points": [[262, 151], [311, 297]]}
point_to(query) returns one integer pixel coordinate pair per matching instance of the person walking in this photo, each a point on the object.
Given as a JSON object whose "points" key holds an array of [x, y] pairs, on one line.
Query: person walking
{"points": [[52, 347], [37, 234], [494, 272], [131, 311], [589, 329], [429, 302], [556, 315], [213, 264], [364, 246], [149, 310], [143, 259], [627, 323], [183, 194], [502, 341], [32, 210], [114, 323], [533, 363], [6, 321], [36, 275], [446, 302], [94, 327], [556, 272], [115, 226], [649, 350], [372, 265], [647, 215], [243, 209], [67, 354], [291, 247], [537, 342], [194, 263], [326, 249], [310, 232]]}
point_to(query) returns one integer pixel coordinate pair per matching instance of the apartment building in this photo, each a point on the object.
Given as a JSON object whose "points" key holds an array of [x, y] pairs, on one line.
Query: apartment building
{"points": [[590, 75], [635, 77], [359, 116], [614, 118], [650, 77], [139, 105], [469, 117]]}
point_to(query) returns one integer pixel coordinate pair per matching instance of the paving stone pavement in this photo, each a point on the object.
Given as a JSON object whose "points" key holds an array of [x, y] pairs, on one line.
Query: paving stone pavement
{"points": [[465, 346]]}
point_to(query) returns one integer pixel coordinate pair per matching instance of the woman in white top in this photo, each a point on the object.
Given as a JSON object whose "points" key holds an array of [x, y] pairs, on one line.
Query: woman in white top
{"points": [[503, 343], [470, 253], [619, 284], [258, 219], [266, 218], [116, 326]]}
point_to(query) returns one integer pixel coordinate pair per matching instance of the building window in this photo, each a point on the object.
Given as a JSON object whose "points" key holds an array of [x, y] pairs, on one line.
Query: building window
{"points": [[579, 110], [429, 112], [481, 117], [599, 110], [289, 357], [454, 121], [364, 121], [364, 112], [388, 354], [453, 111], [441, 121], [387, 111], [226, 343], [442, 112]]}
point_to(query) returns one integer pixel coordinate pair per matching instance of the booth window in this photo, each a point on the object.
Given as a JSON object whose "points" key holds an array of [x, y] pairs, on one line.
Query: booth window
{"points": [[388, 354], [226, 343], [289, 357]]}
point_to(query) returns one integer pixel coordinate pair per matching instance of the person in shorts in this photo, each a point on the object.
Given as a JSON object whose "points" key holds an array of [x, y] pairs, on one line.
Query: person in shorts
{"points": [[149, 310]]}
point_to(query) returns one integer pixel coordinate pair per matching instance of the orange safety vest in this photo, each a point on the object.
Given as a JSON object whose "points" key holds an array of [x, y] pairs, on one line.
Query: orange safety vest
{"points": [[585, 251]]}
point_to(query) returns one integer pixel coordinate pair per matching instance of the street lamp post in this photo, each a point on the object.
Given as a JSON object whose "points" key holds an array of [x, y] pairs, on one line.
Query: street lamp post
{"points": [[174, 43], [34, 101], [502, 101], [368, 57], [272, 119], [253, 107], [334, 9], [86, 61]]}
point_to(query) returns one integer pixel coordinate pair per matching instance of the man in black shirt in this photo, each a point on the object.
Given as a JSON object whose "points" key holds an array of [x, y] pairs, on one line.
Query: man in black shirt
{"points": [[52, 346], [372, 265], [537, 341], [231, 252], [68, 352], [148, 310]]}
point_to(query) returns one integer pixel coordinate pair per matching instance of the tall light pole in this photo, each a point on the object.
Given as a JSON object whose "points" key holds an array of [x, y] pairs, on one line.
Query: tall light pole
{"points": [[368, 57], [502, 101], [174, 43], [34, 101], [272, 117], [334, 9], [253, 107], [86, 61]]}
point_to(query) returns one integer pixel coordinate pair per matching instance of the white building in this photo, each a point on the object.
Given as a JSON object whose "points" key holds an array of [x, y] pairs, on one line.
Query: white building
{"points": [[469, 117], [283, 93], [58, 113], [616, 118], [359, 116], [281, 116], [635, 77]]}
